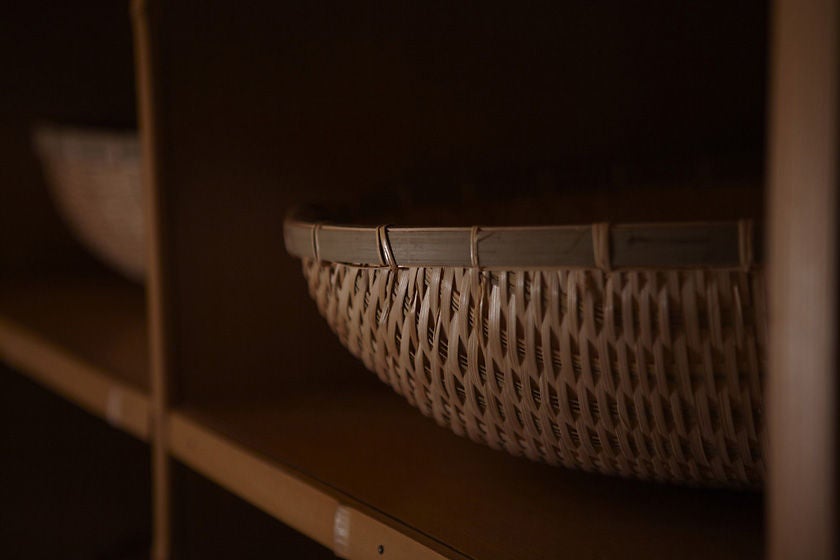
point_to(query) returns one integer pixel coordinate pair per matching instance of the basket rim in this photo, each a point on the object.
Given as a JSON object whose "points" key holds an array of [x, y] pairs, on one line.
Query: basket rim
{"points": [[54, 142], [605, 246]]}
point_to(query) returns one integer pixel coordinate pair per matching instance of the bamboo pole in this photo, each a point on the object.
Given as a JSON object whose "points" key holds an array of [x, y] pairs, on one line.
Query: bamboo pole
{"points": [[156, 300], [802, 280]]}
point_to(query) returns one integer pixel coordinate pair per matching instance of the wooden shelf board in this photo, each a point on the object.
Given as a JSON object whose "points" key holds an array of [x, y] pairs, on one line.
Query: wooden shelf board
{"points": [[202, 516], [303, 505], [83, 336], [297, 458], [73, 487]]}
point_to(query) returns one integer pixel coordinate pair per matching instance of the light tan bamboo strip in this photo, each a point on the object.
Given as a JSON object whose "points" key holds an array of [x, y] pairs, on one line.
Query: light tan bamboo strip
{"points": [[802, 277], [155, 289]]}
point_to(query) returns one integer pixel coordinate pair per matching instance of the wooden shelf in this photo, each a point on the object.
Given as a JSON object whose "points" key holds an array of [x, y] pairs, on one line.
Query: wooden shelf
{"points": [[205, 512], [83, 336], [73, 487], [298, 458], [300, 502]]}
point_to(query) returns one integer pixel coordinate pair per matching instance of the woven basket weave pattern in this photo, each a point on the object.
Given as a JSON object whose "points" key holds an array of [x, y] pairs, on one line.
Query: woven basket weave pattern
{"points": [[94, 178], [649, 374]]}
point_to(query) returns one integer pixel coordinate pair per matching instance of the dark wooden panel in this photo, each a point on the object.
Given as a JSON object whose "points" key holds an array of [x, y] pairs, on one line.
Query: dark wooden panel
{"points": [[72, 487], [277, 104]]}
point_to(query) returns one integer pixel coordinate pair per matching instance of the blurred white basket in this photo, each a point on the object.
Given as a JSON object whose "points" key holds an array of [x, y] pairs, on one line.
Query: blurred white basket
{"points": [[94, 177]]}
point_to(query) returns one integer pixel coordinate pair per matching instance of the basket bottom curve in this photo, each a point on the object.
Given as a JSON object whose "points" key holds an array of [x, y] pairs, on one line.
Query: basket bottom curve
{"points": [[646, 374]]}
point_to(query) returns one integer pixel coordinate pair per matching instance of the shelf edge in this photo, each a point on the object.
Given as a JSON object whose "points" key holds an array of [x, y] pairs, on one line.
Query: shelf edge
{"points": [[349, 532], [83, 384]]}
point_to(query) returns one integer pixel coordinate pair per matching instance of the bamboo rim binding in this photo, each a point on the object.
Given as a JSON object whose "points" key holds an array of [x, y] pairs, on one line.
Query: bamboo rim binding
{"points": [[604, 246], [634, 350]]}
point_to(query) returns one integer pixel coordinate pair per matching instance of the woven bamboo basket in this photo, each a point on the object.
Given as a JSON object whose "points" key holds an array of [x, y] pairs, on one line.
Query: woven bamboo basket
{"points": [[94, 178], [634, 350]]}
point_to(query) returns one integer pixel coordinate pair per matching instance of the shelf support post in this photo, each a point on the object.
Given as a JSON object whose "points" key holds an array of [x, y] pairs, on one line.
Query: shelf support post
{"points": [[802, 280]]}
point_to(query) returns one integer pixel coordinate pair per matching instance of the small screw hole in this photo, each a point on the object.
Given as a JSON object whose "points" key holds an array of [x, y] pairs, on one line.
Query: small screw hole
{"points": [[380, 549]]}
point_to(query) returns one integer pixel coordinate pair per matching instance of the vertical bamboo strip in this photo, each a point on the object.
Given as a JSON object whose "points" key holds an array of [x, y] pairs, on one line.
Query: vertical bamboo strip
{"points": [[802, 280], [156, 300]]}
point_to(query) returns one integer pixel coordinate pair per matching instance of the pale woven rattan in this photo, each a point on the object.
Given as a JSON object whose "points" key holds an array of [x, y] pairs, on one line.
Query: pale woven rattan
{"points": [[654, 373], [94, 177]]}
